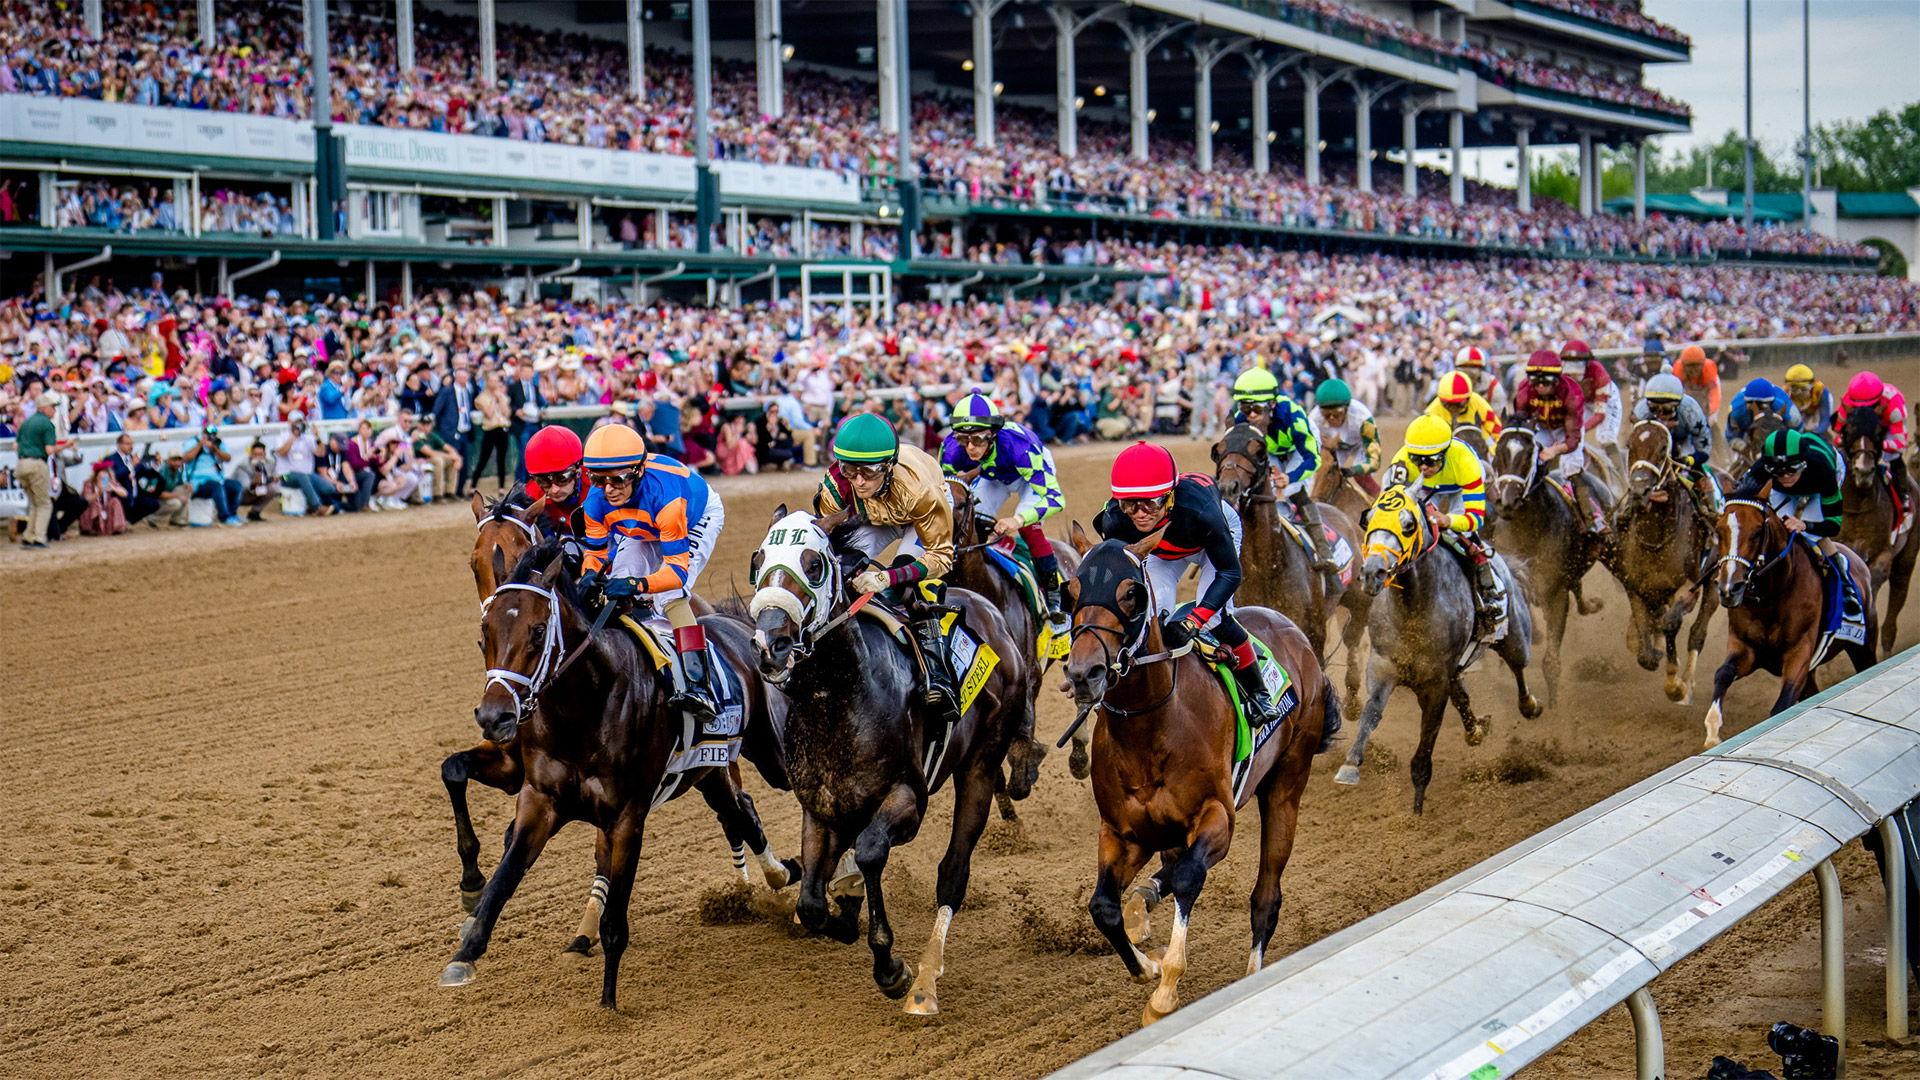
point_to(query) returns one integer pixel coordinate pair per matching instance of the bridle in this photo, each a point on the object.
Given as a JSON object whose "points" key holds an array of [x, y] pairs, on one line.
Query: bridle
{"points": [[1258, 488], [546, 668], [810, 614], [1664, 470], [1764, 560], [1531, 477], [1122, 656]]}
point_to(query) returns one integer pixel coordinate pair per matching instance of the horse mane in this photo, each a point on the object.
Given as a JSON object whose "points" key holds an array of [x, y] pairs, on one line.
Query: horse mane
{"points": [[1862, 422], [502, 506], [534, 561]]}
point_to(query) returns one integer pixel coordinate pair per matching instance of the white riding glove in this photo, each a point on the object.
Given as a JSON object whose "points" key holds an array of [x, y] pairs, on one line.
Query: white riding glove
{"points": [[870, 581]]}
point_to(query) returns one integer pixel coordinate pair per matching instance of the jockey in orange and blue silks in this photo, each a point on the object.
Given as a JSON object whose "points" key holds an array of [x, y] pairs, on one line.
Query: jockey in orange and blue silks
{"points": [[650, 526], [1009, 461]]}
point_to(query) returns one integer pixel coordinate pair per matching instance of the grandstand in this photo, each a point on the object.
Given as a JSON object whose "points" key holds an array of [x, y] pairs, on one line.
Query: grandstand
{"points": [[530, 141]]}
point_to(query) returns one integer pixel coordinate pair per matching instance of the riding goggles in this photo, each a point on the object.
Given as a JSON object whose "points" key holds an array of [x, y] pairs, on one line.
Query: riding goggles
{"points": [[613, 478], [559, 479], [1663, 410], [974, 437], [1132, 507], [1427, 460], [871, 473]]}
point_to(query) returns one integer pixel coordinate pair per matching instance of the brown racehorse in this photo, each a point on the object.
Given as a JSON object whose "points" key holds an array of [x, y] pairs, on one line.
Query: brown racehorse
{"points": [[1278, 572], [972, 524], [585, 710], [1662, 548], [1772, 588], [1868, 514], [1163, 759], [1537, 524], [1338, 490]]}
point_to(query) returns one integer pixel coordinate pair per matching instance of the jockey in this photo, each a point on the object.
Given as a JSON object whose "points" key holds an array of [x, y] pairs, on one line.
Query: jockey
{"points": [[553, 473], [1347, 434], [1652, 360], [1150, 494], [1472, 362], [650, 527], [1447, 477], [1867, 391], [1802, 476], [1759, 398], [1701, 378], [1292, 447], [1666, 400], [897, 493], [1556, 409], [1007, 460], [1812, 398], [1597, 386], [1458, 404]]}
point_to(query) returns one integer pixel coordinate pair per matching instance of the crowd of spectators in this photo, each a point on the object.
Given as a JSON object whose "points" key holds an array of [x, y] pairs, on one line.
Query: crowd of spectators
{"points": [[423, 400], [1625, 14], [133, 207], [572, 89]]}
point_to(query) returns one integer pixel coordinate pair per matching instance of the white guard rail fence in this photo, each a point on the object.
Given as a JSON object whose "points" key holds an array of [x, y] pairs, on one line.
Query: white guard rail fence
{"points": [[1492, 969]]}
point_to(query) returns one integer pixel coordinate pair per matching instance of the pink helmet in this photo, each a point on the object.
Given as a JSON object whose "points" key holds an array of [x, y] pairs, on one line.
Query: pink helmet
{"points": [[1865, 389]]}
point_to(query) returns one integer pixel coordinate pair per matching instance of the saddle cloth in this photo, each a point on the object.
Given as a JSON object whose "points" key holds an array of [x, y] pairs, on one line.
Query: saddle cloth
{"points": [[693, 748], [1341, 550], [1247, 740], [1835, 626], [1047, 645]]}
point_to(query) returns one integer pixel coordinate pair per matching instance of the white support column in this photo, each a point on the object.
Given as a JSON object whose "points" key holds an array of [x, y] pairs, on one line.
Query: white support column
{"points": [[1586, 174], [1140, 43], [769, 59], [1066, 28], [406, 283], [373, 283], [1456, 138], [1640, 181], [1523, 182], [207, 31], [886, 56], [1363, 96], [983, 71], [489, 52], [1409, 143], [1310, 83], [90, 14], [1203, 108], [636, 50], [583, 223], [1262, 73], [403, 32]]}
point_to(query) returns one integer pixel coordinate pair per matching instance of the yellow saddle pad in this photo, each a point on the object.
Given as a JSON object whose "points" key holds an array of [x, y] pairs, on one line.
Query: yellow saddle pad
{"points": [[649, 640]]}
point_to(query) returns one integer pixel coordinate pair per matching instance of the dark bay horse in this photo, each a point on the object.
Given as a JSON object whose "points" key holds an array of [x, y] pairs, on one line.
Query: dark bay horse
{"points": [[1334, 488], [972, 529], [504, 530], [1279, 573], [1422, 632], [1867, 524], [1771, 585], [1474, 438], [1163, 760], [859, 748], [1663, 550], [1537, 524], [586, 713]]}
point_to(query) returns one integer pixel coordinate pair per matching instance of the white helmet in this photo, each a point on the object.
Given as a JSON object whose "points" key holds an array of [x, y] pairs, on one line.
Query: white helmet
{"points": [[1471, 356]]}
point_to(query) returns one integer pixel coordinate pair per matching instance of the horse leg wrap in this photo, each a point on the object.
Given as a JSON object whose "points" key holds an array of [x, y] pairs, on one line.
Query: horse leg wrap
{"points": [[1037, 543]]}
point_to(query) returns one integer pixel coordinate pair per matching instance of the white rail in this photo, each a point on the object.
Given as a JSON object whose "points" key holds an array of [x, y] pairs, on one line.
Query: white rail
{"points": [[1493, 968]]}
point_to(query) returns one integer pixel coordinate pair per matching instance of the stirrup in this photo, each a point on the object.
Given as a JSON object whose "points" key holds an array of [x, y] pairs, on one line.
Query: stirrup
{"points": [[695, 704]]}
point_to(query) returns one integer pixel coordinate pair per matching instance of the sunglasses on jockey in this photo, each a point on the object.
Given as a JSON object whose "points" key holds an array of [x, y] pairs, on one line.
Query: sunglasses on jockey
{"points": [[621, 477], [549, 481], [1543, 378], [974, 438], [1136, 507]]}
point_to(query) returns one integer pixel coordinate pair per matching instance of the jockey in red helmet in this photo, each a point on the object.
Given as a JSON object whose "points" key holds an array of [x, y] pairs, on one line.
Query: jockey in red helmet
{"points": [[553, 473], [1150, 493]]}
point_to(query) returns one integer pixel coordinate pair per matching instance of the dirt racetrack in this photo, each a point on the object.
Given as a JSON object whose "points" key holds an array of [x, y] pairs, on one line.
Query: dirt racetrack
{"points": [[228, 852]]}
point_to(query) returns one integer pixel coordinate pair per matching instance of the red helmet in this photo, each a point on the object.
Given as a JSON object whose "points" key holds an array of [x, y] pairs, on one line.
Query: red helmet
{"points": [[1143, 471], [552, 449], [1454, 388], [1575, 349]]}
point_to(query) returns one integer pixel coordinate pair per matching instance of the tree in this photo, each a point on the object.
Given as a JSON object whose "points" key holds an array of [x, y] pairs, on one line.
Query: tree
{"points": [[1880, 153]]}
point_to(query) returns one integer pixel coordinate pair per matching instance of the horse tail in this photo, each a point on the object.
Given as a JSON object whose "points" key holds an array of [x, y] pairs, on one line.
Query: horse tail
{"points": [[1329, 711], [1521, 576]]}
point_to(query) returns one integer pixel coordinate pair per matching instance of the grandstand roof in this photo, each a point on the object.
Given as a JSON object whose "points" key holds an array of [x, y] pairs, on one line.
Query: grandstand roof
{"points": [[1873, 204], [1688, 206]]}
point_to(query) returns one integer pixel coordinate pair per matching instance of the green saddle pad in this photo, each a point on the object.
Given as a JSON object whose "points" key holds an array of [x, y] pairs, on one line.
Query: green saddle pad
{"points": [[1280, 690]]}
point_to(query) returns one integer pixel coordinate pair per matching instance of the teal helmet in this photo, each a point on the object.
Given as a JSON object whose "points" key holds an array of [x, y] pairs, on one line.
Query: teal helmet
{"points": [[1333, 394]]}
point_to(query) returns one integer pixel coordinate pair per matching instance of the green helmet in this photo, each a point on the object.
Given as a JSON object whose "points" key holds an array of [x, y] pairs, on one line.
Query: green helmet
{"points": [[1256, 384], [865, 439], [1333, 394]]}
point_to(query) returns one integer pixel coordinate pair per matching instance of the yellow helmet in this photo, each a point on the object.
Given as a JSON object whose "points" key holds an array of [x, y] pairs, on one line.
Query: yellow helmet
{"points": [[1428, 435], [1799, 373], [613, 447]]}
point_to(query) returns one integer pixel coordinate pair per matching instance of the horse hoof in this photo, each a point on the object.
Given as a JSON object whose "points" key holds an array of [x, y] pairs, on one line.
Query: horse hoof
{"points": [[1676, 693], [1712, 741], [1531, 708], [469, 900], [582, 945], [1078, 763], [1477, 730], [1348, 775], [1149, 970], [921, 1004], [792, 867], [896, 988], [1649, 662], [1137, 917], [458, 973], [1150, 1016]]}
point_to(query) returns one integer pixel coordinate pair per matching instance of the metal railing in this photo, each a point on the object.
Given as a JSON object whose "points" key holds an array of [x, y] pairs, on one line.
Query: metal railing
{"points": [[1490, 970]]}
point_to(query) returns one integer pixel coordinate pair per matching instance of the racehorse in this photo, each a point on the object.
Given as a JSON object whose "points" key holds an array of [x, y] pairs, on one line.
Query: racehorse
{"points": [[1163, 759], [1423, 632], [1278, 572], [505, 528], [1334, 488], [1867, 524], [1538, 524], [1739, 461], [1474, 438], [861, 754], [972, 524], [1773, 589], [1663, 548], [585, 710]]}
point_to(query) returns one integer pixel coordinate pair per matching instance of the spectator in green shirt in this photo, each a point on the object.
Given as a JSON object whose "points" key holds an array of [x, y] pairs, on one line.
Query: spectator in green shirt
{"points": [[36, 443]]}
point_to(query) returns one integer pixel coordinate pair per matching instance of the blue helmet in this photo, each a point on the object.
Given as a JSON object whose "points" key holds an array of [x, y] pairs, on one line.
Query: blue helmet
{"points": [[1759, 389], [977, 411]]}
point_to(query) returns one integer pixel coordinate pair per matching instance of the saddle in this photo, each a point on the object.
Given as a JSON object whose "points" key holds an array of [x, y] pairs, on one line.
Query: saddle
{"points": [[1343, 555], [692, 749]]}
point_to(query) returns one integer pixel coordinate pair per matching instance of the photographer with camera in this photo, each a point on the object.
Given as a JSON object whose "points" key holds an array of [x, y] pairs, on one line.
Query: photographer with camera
{"points": [[296, 461], [205, 463]]}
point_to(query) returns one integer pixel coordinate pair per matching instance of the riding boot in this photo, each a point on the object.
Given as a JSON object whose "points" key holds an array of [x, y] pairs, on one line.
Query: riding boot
{"points": [[1310, 520], [1253, 692], [1849, 597], [1897, 484], [939, 693], [1490, 593], [693, 680], [1048, 571]]}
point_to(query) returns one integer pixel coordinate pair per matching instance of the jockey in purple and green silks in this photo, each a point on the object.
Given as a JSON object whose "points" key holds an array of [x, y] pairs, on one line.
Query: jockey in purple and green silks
{"points": [[1008, 460]]}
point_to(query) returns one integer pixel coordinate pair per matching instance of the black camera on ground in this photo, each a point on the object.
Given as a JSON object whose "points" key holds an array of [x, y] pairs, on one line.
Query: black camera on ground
{"points": [[1804, 1054]]}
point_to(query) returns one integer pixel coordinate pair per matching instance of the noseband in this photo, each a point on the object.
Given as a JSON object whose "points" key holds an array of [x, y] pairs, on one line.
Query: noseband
{"points": [[544, 670], [1129, 637], [1531, 477], [1763, 561]]}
